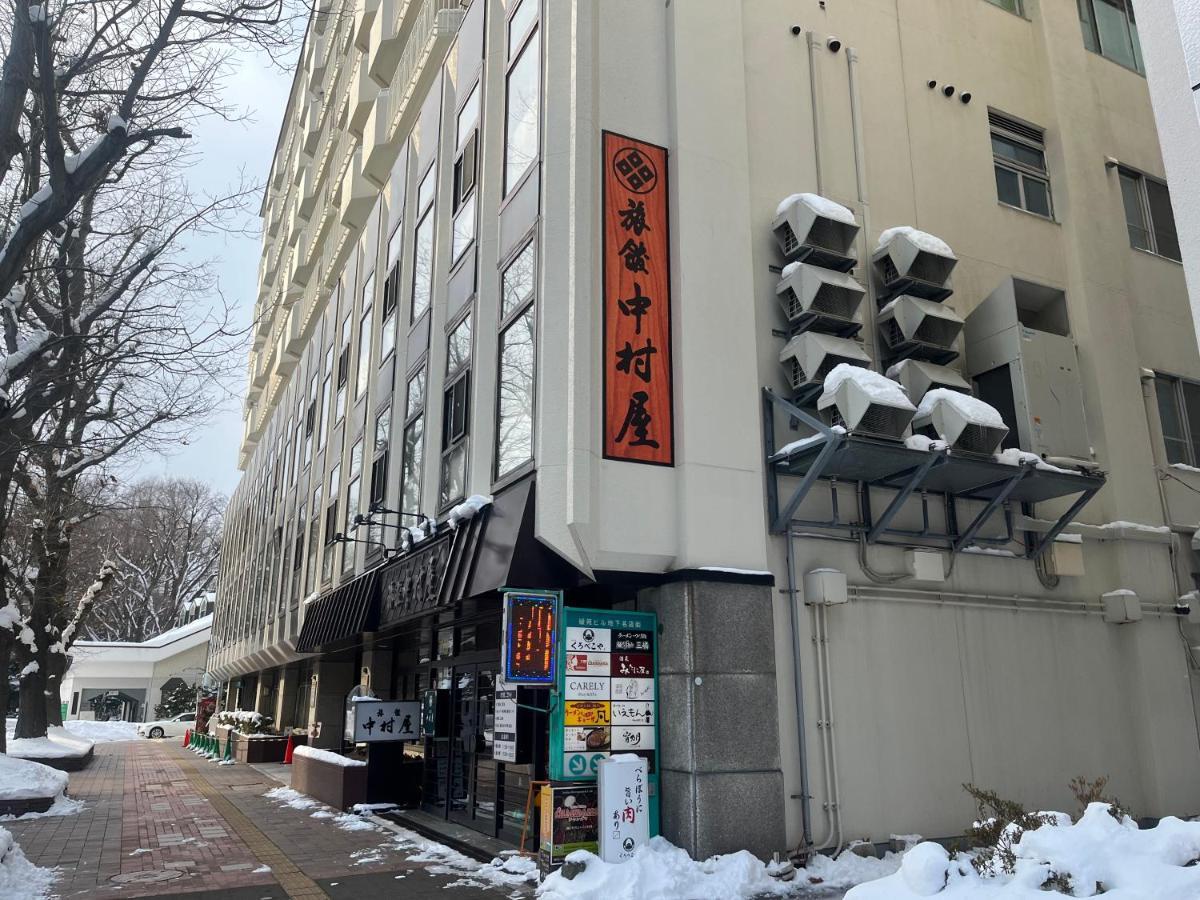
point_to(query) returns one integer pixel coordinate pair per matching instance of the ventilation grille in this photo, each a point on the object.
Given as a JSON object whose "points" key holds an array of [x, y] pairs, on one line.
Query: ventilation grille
{"points": [[836, 301], [827, 235], [939, 332], [891, 333], [884, 421], [931, 268], [888, 270], [830, 362], [1016, 127], [979, 439], [788, 240], [796, 374]]}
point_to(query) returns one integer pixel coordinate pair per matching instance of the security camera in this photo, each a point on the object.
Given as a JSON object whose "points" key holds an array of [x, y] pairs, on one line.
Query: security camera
{"points": [[965, 97], [931, 83], [833, 44], [948, 90], [796, 29]]}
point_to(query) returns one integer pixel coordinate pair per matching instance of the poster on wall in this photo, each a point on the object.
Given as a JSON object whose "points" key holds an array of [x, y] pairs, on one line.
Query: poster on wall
{"points": [[638, 403]]}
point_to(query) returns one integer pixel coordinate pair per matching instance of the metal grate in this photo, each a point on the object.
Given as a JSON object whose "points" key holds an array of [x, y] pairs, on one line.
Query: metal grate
{"points": [[791, 244], [979, 439], [931, 268], [835, 300], [827, 235], [890, 331], [1016, 127], [939, 332], [883, 421], [792, 307]]}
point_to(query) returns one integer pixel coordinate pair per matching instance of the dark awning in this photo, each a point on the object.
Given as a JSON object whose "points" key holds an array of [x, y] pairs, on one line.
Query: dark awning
{"points": [[345, 611]]}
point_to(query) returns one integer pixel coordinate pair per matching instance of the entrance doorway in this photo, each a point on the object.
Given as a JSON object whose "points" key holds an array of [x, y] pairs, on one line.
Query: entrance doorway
{"points": [[471, 794]]}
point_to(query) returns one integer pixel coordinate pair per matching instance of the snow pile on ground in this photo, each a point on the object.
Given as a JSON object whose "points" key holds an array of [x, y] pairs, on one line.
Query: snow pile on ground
{"points": [[353, 822], [1097, 854], [294, 799], [846, 870], [24, 780], [661, 871], [822, 206], [327, 756], [101, 732], [921, 239], [58, 743], [62, 806], [19, 878], [509, 870]]}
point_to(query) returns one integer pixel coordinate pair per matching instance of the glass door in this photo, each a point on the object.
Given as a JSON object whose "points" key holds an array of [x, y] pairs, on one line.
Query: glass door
{"points": [[472, 785]]}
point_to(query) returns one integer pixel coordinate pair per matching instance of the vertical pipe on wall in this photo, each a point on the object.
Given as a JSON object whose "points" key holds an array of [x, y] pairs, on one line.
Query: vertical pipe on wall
{"points": [[860, 174], [814, 46], [793, 597]]}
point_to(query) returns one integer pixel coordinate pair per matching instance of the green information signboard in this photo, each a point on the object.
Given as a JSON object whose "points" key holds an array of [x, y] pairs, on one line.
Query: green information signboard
{"points": [[606, 694]]}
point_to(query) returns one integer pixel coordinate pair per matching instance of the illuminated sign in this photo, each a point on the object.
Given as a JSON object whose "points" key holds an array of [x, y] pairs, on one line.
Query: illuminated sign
{"points": [[530, 630]]}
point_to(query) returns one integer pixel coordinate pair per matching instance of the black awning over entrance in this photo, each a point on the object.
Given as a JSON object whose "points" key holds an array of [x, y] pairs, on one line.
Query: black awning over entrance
{"points": [[347, 610]]}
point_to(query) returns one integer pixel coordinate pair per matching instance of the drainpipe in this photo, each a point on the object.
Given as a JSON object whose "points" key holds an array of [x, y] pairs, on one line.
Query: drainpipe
{"points": [[860, 174], [793, 597], [814, 47]]}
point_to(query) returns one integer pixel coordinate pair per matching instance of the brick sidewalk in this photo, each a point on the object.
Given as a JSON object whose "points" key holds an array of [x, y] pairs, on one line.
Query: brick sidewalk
{"points": [[161, 822]]}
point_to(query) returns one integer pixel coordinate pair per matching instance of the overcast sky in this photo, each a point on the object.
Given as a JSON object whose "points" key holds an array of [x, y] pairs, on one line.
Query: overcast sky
{"points": [[226, 149]]}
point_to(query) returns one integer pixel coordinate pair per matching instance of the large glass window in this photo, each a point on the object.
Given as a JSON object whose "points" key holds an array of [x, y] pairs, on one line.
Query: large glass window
{"points": [[1148, 215], [343, 371], [1110, 29], [466, 144], [1179, 415], [1019, 157], [326, 389], [522, 94], [363, 371], [331, 523], [1013, 6], [380, 454], [456, 413], [515, 385], [423, 246], [314, 534], [414, 430]]}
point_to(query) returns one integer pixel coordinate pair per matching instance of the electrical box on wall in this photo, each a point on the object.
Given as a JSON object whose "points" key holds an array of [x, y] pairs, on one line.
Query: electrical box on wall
{"points": [[825, 587], [925, 565], [1121, 607], [1020, 353], [1065, 556]]}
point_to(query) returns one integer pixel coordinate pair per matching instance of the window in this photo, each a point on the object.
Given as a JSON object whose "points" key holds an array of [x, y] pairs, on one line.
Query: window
{"points": [[326, 388], [1148, 214], [1013, 6], [362, 374], [1110, 30], [466, 142], [314, 532], [391, 298], [310, 419], [1019, 155], [514, 404], [380, 453], [423, 249], [343, 371], [331, 523], [1179, 414], [353, 502], [414, 430], [456, 402], [522, 94]]}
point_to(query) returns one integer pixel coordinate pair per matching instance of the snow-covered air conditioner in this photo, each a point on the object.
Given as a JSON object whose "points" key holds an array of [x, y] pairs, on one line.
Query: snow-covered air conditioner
{"points": [[865, 403], [908, 261], [918, 378], [809, 357], [831, 299], [810, 227], [921, 328], [965, 423]]}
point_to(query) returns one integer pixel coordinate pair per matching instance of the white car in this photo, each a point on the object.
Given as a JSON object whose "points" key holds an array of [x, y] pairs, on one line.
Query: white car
{"points": [[167, 727]]}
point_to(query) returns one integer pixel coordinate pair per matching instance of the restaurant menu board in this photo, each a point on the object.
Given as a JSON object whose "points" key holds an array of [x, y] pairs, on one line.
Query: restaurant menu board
{"points": [[606, 695], [570, 821], [530, 630]]}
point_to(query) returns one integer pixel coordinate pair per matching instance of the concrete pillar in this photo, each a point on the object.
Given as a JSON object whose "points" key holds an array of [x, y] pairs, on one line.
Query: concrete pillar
{"points": [[332, 680], [720, 777], [285, 697], [261, 700], [377, 663]]}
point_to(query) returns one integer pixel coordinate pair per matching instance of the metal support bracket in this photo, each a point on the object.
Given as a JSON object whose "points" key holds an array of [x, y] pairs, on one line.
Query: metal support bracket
{"points": [[993, 504], [1063, 521], [780, 518], [916, 476]]}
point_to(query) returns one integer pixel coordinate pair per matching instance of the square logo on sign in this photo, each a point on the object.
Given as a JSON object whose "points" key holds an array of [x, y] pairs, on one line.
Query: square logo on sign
{"points": [[588, 663], [635, 738], [635, 712], [632, 642], [583, 687], [633, 665], [633, 688], [589, 640]]}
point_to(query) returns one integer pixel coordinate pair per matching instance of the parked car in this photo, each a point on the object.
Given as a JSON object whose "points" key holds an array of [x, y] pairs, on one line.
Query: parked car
{"points": [[167, 727]]}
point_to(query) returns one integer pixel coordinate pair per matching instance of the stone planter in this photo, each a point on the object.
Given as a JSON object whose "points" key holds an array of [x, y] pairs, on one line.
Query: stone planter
{"points": [[248, 749], [338, 786], [65, 763], [26, 805]]}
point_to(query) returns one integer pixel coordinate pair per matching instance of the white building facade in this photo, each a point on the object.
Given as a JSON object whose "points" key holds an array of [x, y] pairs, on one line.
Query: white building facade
{"points": [[845, 640]]}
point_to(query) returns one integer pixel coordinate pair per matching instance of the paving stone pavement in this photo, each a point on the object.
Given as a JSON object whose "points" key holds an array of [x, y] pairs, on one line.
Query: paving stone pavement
{"points": [[160, 822]]}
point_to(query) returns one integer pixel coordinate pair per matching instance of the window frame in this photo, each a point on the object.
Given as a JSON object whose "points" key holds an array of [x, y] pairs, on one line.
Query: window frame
{"points": [[1021, 170], [456, 382], [1092, 36], [424, 216], [1141, 180], [414, 416], [1191, 445], [506, 322], [1018, 10], [514, 55]]}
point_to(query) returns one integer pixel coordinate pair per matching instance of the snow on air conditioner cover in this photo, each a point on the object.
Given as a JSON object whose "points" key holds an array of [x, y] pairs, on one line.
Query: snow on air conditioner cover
{"points": [[808, 226], [965, 423], [866, 403]]}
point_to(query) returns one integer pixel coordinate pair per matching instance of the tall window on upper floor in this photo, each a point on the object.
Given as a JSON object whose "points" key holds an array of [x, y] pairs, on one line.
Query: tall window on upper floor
{"points": [[1148, 215], [380, 454], [414, 443], [299, 444], [1109, 29], [343, 370], [310, 419], [391, 298], [362, 374], [326, 392], [297, 555], [423, 245], [522, 93], [514, 402], [314, 534], [1019, 156], [456, 412], [332, 526], [1179, 414], [1013, 6], [353, 501], [466, 145]]}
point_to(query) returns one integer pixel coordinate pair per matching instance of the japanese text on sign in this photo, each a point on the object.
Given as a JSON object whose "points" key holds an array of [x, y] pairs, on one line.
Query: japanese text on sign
{"points": [[638, 415], [386, 720]]}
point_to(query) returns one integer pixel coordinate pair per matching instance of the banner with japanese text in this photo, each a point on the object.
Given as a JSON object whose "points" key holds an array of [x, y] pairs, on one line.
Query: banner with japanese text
{"points": [[638, 414]]}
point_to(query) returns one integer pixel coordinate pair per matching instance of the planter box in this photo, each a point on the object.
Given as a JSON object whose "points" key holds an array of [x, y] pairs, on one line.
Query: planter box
{"points": [[65, 763], [26, 805], [258, 749], [338, 786]]}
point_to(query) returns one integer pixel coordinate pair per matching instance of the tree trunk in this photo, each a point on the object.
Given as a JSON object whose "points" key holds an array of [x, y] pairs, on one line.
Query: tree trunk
{"points": [[56, 668], [31, 714], [6, 642]]}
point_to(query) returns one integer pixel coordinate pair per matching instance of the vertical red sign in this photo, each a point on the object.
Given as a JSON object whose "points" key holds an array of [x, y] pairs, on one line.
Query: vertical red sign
{"points": [[638, 415]]}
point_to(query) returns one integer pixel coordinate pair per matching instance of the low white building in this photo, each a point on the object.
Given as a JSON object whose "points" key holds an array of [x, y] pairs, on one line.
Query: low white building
{"points": [[137, 674]]}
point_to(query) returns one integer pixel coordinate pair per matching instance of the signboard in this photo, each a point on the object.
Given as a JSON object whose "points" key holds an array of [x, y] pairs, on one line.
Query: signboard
{"points": [[504, 745], [429, 710], [638, 404], [529, 636], [624, 807], [386, 720], [606, 696], [569, 822]]}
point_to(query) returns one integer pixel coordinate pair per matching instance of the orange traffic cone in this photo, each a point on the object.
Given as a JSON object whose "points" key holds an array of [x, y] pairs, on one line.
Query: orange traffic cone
{"points": [[287, 753], [187, 737]]}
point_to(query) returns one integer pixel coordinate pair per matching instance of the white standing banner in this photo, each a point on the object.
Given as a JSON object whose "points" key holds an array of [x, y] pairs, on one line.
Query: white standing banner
{"points": [[624, 802], [386, 720], [504, 744]]}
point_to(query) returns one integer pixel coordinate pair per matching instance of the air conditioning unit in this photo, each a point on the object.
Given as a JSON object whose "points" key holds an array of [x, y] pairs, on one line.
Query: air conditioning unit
{"points": [[910, 326], [908, 261], [811, 228], [918, 378], [865, 403], [820, 298], [965, 423], [809, 357]]}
